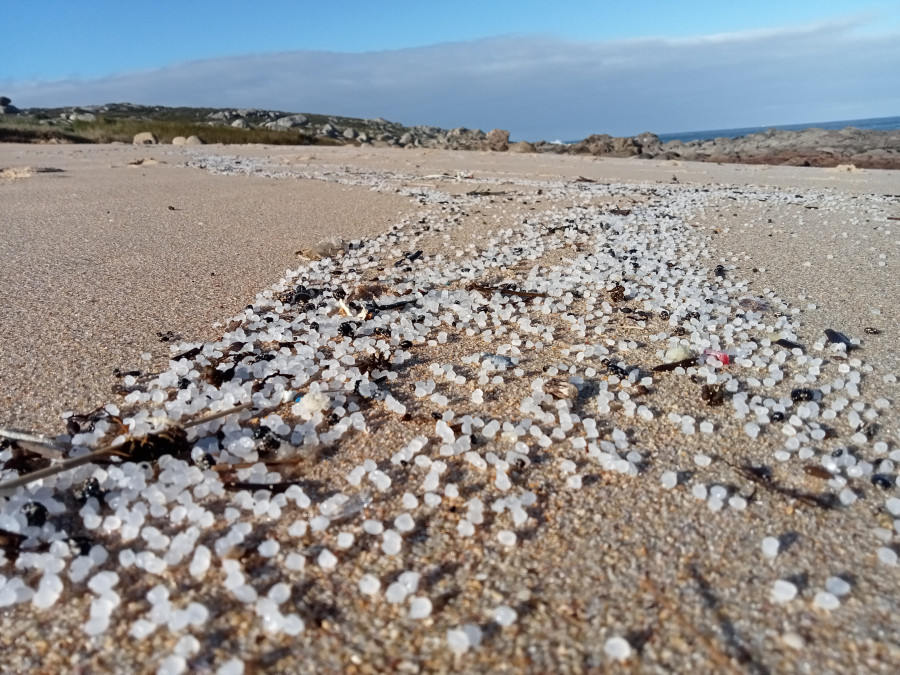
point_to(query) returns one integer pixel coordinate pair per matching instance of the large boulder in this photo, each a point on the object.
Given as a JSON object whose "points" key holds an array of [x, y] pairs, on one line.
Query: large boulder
{"points": [[6, 106], [604, 144], [648, 143], [193, 140], [179, 140], [240, 124], [350, 133], [83, 117], [291, 121], [497, 140], [522, 146], [145, 138]]}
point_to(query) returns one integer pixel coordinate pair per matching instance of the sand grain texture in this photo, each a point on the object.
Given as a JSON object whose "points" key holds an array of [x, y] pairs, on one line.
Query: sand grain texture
{"points": [[95, 264]]}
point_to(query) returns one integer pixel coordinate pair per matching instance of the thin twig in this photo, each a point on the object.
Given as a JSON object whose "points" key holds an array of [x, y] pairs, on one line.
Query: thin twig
{"points": [[506, 291], [8, 487]]}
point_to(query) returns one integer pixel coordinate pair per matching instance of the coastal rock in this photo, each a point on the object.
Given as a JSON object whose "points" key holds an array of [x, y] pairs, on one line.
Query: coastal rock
{"points": [[6, 106], [240, 124], [291, 121], [193, 140], [522, 146], [83, 117], [497, 140], [350, 133], [179, 140], [329, 130], [648, 143], [145, 138], [606, 145]]}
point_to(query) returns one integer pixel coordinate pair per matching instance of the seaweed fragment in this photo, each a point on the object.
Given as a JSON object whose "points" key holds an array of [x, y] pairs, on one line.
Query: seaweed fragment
{"points": [[838, 338], [171, 440], [788, 344], [683, 363], [713, 394]]}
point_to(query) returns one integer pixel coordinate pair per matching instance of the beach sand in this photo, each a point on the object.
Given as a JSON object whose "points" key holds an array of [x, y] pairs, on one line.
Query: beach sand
{"points": [[98, 269]]}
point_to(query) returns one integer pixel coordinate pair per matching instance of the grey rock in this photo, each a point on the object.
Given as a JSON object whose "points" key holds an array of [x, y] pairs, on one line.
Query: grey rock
{"points": [[6, 106], [179, 140], [83, 117], [350, 133], [329, 130], [193, 140], [649, 143], [145, 138], [522, 146], [240, 124], [291, 121], [497, 140]]}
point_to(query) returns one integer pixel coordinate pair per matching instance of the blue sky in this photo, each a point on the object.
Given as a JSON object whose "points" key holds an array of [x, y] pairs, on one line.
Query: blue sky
{"points": [[542, 70]]}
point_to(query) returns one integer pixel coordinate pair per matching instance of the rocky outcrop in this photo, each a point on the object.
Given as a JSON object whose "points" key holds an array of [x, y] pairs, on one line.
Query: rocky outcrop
{"points": [[145, 138], [645, 144], [522, 146], [291, 121], [497, 140], [810, 147], [6, 106]]}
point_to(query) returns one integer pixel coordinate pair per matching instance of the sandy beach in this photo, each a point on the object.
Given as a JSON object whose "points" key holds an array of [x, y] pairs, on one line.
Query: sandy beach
{"points": [[754, 532]]}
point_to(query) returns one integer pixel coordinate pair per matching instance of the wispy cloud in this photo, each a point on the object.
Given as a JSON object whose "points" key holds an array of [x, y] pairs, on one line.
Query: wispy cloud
{"points": [[540, 86]]}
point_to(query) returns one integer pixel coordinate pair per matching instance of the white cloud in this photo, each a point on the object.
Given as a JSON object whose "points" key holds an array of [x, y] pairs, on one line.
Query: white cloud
{"points": [[539, 87]]}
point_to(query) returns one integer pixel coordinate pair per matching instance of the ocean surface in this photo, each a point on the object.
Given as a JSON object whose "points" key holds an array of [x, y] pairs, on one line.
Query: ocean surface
{"points": [[875, 123]]}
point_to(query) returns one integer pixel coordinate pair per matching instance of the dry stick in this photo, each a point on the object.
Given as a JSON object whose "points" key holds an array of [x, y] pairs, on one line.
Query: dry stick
{"points": [[36, 443], [506, 291], [106, 451]]}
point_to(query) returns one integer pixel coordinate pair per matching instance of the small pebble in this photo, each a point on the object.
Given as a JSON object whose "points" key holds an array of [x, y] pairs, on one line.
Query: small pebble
{"points": [[505, 615], [783, 591], [617, 648], [837, 586], [369, 584], [770, 546], [827, 601]]}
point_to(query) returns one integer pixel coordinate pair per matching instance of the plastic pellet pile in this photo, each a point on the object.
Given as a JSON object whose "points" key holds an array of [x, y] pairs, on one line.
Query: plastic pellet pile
{"points": [[540, 424]]}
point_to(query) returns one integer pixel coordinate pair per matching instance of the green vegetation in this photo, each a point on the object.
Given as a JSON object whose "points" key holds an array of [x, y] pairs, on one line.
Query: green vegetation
{"points": [[120, 122], [111, 129], [108, 130]]}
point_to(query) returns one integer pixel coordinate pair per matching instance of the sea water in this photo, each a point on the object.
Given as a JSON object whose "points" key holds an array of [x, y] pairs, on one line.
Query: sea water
{"points": [[875, 124]]}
